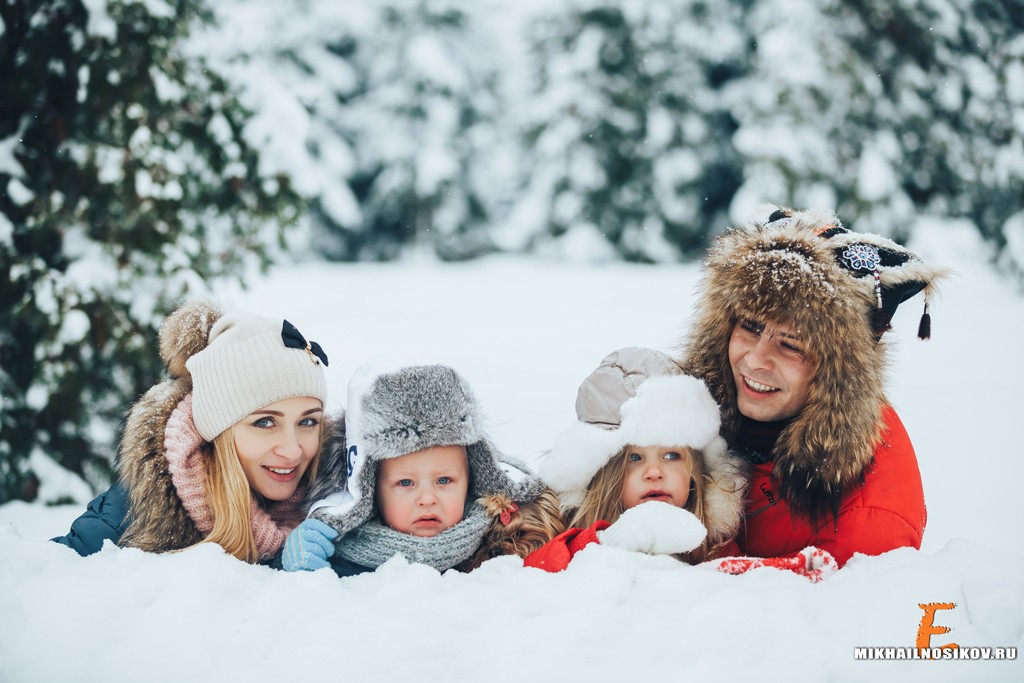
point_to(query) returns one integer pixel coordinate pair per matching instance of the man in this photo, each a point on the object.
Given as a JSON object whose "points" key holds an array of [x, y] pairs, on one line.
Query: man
{"points": [[788, 338]]}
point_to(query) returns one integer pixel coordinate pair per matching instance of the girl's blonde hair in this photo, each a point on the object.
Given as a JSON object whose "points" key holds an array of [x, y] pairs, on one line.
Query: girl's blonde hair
{"points": [[230, 496], [603, 499], [529, 527]]}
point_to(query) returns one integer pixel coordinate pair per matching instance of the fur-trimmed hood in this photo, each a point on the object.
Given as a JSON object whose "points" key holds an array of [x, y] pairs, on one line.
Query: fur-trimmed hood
{"points": [[158, 519], [796, 268]]}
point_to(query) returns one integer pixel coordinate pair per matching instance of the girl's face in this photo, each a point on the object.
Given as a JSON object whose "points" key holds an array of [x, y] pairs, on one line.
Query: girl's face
{"points": [[276, 443], [656, 473], [423, 493]]}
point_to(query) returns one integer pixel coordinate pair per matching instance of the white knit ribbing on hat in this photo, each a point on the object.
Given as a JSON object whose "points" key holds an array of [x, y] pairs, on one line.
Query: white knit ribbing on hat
{"points": [[244, 367]]}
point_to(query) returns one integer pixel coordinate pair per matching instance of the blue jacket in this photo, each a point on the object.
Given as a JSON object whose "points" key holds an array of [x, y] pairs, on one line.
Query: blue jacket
{"points": [[106, 517], [343, 567]]}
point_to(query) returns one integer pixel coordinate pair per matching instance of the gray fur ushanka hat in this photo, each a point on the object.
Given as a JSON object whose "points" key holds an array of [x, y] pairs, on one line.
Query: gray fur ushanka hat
{"points": [[399, 409]]}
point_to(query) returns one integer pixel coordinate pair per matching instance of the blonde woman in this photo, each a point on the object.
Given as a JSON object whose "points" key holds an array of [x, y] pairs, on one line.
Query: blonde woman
{"points": [[224, 449]]}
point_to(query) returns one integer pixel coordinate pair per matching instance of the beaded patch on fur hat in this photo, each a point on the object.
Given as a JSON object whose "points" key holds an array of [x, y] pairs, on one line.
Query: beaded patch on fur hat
{"points": [[896, 272]]}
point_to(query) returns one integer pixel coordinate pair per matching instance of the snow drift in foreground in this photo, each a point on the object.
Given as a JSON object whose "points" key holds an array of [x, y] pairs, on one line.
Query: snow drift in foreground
{"points": [[124, 615]]}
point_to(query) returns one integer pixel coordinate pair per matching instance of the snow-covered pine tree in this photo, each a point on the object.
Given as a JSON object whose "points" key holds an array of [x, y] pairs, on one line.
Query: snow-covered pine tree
{"points": [[418, 123], [812, 129], [126, 184], [418, 161], [629, 134], [291, 64], [696, 166], [886, 109], [953, 73], [385, 116]]}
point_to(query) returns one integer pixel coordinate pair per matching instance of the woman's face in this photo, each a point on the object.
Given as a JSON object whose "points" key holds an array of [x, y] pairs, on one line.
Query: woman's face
{"points": [[656, 473], [276, 443]]}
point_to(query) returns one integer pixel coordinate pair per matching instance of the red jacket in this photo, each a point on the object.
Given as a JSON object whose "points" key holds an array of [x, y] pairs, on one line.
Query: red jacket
{"points": [[886, 512], [556, 554]]}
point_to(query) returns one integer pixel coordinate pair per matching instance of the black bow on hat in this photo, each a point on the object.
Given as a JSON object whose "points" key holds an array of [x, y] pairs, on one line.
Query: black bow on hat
{"points": [[293, 339]]}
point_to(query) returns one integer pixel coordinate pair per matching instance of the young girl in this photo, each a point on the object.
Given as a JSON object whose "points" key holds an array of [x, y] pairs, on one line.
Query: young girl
{"points": [[422, 481], [644, 468], [224, 449]]}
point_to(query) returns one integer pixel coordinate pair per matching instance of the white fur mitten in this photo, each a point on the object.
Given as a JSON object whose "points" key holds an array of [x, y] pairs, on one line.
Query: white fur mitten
{"points": [[655, 528]]}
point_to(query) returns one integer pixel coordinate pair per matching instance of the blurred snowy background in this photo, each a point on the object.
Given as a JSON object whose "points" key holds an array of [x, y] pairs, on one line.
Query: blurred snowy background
{"points": [[155, 150]]}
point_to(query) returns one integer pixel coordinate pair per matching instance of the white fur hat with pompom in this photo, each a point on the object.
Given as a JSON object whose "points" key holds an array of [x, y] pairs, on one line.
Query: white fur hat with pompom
{"points": [[640, 397]]}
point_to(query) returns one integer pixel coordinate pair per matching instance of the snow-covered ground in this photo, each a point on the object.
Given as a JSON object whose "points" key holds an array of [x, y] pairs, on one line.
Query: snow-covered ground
{"points": [[525, 332]]}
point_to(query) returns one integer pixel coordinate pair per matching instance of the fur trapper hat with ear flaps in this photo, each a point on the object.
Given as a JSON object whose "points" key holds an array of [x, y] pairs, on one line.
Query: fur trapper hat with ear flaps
{"points": [[838, 289], [640, 397], [394, 409]]}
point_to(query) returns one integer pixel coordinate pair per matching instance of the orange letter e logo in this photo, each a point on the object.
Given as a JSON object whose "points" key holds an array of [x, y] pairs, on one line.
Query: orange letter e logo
{"points": [[926, 629]]}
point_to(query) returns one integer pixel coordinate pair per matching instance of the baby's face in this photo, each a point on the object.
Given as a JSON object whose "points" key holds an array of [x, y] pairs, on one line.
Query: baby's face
{"points": [[423, 493]]}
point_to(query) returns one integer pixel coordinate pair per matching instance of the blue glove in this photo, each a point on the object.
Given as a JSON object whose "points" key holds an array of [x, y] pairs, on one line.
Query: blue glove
{"points": [[308, 546]]}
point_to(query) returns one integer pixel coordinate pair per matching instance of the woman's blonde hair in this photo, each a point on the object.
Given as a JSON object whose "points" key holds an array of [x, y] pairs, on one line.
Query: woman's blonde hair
{"points": [[529, 526], [231, 497], [603, 499]]}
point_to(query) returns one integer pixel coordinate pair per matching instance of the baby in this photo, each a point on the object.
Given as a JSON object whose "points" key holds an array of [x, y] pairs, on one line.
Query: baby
{"points": [[424, 493], [422, 479]]}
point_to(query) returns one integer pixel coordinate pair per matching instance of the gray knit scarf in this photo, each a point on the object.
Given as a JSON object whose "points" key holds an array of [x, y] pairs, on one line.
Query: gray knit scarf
{"points": [[374, 543]]}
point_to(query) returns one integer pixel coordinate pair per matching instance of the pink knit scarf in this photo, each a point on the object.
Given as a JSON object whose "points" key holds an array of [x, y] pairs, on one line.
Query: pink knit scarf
{"points": [[183, 450]]}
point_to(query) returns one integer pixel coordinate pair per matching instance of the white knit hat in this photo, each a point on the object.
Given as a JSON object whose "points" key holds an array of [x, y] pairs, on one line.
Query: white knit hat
{"points": [[250, 362]]}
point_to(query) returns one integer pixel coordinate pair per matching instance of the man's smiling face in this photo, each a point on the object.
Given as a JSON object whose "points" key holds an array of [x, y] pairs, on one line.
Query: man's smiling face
{"points": [[771, 370]]}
